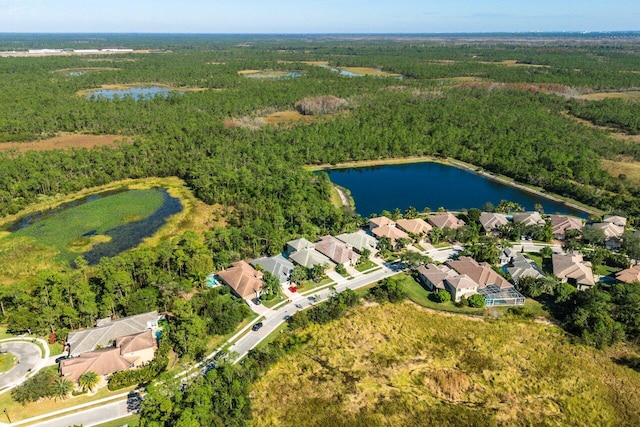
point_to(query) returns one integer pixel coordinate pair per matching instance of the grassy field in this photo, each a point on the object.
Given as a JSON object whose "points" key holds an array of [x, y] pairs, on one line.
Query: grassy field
{"points": [[401, 365], [131, 421], [369, 71], [64, 141], [597, 96], [629, 168], [7, 361]]}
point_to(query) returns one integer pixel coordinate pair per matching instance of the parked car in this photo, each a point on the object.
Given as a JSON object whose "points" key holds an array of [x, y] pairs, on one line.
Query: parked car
{"points": [[257, 326], [61, 358], [256, 301]]}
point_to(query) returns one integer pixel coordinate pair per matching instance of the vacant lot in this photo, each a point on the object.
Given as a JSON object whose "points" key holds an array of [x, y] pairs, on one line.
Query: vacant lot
{"points": [[630, 169], [64, 141], [401, 365]]}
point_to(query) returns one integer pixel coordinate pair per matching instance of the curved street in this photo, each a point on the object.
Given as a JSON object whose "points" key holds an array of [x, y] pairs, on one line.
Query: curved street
{"points": [[29, 358]]}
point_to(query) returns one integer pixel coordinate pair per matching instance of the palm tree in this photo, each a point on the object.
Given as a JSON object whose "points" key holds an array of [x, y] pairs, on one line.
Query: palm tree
{"points": [[61, 388], [88, 380]]}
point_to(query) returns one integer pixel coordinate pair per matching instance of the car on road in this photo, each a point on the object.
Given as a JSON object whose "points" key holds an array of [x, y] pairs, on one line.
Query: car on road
{"points": [[287, 317], [256, 301], [257, 326], [298, 305]]}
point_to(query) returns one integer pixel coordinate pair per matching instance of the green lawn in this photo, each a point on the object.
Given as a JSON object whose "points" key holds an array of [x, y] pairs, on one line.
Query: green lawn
{"points": [[131, 421], [272, 302], [605, 270], [419, 295], [310, 285], [76, 229], [7, 361], [366, 265]]}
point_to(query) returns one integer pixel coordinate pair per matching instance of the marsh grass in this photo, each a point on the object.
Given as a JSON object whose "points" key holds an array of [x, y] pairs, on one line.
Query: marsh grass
{"points": [[399, 364]]}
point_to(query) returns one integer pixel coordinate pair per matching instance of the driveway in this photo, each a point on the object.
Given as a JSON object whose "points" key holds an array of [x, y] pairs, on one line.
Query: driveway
{"points": [[28, 355]]}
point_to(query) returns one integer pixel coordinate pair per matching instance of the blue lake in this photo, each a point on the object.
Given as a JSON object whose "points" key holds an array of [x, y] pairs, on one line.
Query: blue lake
{"points": [[432, 185], [137, 93]]}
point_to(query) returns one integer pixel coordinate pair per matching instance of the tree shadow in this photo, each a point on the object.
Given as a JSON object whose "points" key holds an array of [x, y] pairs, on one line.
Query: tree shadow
{"points": [[632, 362]]}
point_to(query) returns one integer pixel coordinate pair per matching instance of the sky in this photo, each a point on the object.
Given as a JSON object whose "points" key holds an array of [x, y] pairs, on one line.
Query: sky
{"points": [[317, 16]]}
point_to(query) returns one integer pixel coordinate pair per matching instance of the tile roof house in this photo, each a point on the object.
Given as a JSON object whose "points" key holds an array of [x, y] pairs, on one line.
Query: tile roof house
{"points": [[297, 245], [491, 221], [392, 232], [481, 273], [560, 224], [337, 251], [460, 286], [615, 219], [277, 265], [630, 275], [309, 258], [414, 225], [108, 330], [528, 218], [445, 219], [380, 221], [433, 276], [521, 266], [359, 240], [243, 279], [129, 352], [573, 269]]}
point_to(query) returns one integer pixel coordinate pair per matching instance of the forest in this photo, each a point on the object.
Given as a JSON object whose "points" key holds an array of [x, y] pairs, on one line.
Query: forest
{"points": [[509, 107]]}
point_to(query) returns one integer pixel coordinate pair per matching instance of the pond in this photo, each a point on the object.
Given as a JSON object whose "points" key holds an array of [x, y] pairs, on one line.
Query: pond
{"points": [[432, 185], [137, 93], [99, 225]]}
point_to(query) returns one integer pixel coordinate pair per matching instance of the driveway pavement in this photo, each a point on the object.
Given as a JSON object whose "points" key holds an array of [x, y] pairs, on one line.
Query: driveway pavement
{"points": [[28, 355]]}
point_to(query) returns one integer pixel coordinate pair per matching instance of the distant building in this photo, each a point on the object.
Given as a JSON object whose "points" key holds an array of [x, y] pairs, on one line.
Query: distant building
{"points": [[574, 270], [629, 275], [560, 224], [445, 220], [492, 221], [277, 265], [244, 280], [337, 251], [528, 218], [414, 226], [359, 241]]}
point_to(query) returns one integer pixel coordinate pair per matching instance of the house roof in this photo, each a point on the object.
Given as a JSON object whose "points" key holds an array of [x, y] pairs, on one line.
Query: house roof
{"points": [[393, 233], [242, 278], [380, 221], [609, 229], [414, 225], [528, 218], [277, 265], [309, 257], [573, 267], [136, 342], [491, 221], [435, 274], [521, 267], [336, 250], [461, 281], [445, 219], [299, 244], [561, 224], [359, 240], [108, 330], [102, 362], [630, 275], [615, 219], [481, 273]]}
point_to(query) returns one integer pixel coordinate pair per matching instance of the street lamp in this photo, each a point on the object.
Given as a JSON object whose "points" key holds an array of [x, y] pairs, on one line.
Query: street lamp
{"points": [[7, 414]]}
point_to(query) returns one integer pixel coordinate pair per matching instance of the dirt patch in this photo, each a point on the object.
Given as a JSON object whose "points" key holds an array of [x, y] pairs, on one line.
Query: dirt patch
{"points": [[598, 96], [615, 133], [552, 88], [317, 63], [368, 71], [287, 117], [84, 69], [63, 142], [514, 63]]}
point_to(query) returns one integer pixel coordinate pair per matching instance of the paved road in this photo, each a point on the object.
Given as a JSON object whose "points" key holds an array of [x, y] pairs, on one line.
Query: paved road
{"points": [[89, 417], [28, 355]]}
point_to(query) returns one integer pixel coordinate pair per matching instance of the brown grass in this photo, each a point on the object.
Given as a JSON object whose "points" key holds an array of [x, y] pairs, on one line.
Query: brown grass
{"points": [[402, 365], [615, 133], [514, 63], [597, 96], [64, 141], [287, 117], [369, 71], [628, 167], [553, 88]]}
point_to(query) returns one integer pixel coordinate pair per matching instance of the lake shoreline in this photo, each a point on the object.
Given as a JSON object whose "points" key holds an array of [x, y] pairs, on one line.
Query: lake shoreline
{"points": [[573, 204]]}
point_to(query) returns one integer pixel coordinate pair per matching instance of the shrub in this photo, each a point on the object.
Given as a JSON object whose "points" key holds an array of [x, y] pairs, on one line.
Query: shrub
{"points": [[442, 296], [476, 300]]}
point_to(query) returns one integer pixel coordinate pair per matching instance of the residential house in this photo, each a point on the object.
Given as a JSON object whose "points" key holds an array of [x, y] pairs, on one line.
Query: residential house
{"points": [[492, 221], [481, 273], [277, 265], [460, 286], [573, 269], [297, 245], [560, 224], [521, 266], [106, 331], [528, 218], [359, 240], [380, 222], [129, 352], [393, 233], [244, 280], [613, 231], [337, 251], [620, 221], [310, 258], [445, 219], [433, 276], [417, 226], [629, 275]]}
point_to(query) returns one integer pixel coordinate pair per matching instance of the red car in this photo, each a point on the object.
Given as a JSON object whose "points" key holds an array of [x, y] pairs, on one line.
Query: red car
{"points": [[293, 289]]}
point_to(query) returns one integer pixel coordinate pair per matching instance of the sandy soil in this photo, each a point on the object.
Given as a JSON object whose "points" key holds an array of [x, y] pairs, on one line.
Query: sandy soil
{"points": [[597, 96], [63, 142]]}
